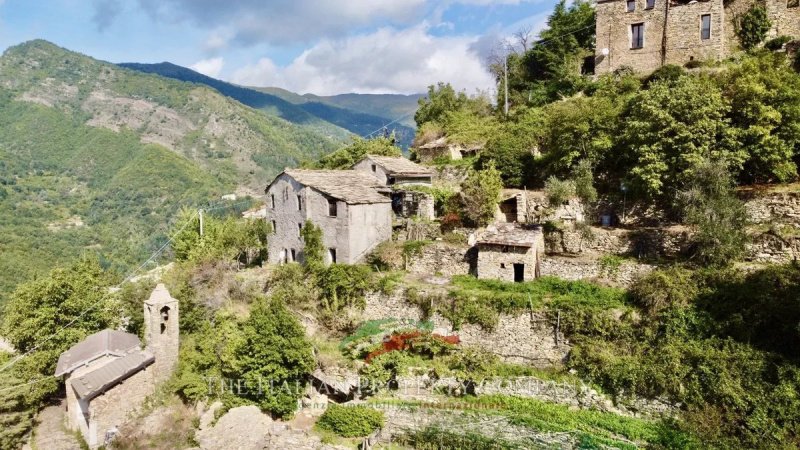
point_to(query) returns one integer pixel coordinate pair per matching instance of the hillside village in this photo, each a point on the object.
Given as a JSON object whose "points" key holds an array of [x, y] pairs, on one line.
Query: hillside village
{"points": [[609, 263]]}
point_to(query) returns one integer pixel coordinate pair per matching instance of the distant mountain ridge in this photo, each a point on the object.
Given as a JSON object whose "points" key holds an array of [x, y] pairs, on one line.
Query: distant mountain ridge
{"points": [[100, 159], [359, 114]]}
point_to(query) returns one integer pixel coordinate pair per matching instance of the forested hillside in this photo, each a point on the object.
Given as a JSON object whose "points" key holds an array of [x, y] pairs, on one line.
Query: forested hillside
{"points": [[325, 117], [99, 159]]}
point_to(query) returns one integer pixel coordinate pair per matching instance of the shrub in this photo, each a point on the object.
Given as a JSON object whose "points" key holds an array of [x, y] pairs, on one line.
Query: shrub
{"points": [[558, 191], [753, 27], [610, 265], [665, 288], [777, 43], [693, 64], [351, 421], [480, 193]]}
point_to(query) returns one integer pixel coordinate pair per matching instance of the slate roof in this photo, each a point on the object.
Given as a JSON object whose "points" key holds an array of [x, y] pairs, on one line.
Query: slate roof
{"points": [[512, 236], [106, 342], [159, 296], [104, 377], [400, 166], [349, 186]]}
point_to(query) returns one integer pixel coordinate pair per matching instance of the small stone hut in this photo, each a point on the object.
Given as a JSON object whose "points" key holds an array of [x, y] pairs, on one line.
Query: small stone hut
{"points": [[510, 253], [108, 375], [442, 149]]}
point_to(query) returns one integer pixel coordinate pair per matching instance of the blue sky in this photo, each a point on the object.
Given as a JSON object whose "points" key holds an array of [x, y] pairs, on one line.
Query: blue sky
{"points": [[323, 47]]}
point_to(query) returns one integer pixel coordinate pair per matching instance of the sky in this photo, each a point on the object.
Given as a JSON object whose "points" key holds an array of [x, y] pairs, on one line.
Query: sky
{"points": [[306, 46]]}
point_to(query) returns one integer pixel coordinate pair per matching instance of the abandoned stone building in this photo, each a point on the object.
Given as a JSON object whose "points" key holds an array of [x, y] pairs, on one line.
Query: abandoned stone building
{"points": [[647, 34], [510, 253], [523, 206], [402, 176], [108, 375], [394, 170], [346, 204], [442, 149]]}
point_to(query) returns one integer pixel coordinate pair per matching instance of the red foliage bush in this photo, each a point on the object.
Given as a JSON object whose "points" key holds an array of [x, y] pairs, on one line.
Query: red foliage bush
{"points": [[406, 342]]}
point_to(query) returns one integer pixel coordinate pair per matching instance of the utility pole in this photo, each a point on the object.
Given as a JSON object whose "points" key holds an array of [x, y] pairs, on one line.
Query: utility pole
{"points": [[505, 70], [201, 222]]}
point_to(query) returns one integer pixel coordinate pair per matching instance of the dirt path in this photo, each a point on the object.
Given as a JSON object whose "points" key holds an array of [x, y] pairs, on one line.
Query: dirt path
{"points": [[50, 432]]}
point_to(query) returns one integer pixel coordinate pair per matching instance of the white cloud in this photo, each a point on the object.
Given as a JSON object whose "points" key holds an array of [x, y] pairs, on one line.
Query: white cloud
{"points": [[285, 21], [387, 60], [211, 67]]}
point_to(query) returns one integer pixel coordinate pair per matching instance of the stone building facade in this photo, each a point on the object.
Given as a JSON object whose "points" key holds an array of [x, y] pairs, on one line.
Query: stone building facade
{"points": [[646, 34], [402, 175], [510, 254], [346, 204], [108, 375]]}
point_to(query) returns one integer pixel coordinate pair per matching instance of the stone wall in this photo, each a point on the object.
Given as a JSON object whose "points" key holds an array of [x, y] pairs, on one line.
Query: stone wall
{"points": [[783, 207], [111, 409], [525, 338], [441, 258], [592, 269], [639, 242], [497, 262]]}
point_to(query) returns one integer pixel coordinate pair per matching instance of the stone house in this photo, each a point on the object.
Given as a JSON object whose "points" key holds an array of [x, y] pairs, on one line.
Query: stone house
{"points": [[523, 206], [442, 149], [346, 204], [647, 34], [402, 175], [108, 375], [510, 253]]}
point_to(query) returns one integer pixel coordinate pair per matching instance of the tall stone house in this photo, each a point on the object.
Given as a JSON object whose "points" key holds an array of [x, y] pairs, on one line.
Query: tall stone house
{"points": [[647, 34], [108, 375], [346, 204]]}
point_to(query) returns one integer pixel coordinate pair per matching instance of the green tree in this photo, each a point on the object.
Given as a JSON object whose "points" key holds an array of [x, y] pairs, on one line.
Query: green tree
{"points": [[441, 99], [347, 156], [764, 95], [558, 191], [480, 193], [16, 415], [274, 355], [672, 128], [584, 182], [313, 248], [753, 27], [709, 204], [49, 315]]}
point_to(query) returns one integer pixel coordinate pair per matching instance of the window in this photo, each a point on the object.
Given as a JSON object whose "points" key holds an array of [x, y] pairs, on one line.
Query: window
{"points": [[272, 200], [391, 180], [300, 229], [274, 226], [651, 4], [332, 254], [294, 256], [374, 168], [299, 202], [705, 27], [631, 5], [332, 207], [792, 3], [637, 35]]}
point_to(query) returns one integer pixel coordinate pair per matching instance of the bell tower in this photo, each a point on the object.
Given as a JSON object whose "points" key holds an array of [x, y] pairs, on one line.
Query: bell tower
{"points": [[161, 331]]}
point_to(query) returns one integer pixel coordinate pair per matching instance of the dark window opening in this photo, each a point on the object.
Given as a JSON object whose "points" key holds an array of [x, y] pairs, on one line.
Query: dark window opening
{"points": [[332, 253], [294, 256], [374, 168], [705, 27], [637, 35], [272, 198], [300, 229], [631, 5], [792, 3], [299, 202], [391, 180], [519, 273], [333, 207], [502, 265], [651, 4], [274, 226]]}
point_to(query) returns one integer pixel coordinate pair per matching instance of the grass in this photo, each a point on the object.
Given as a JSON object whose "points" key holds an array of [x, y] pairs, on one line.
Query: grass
{"points": [[590, 426]]}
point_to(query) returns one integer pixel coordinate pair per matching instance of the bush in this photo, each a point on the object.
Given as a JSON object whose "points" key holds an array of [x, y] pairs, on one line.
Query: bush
{"points": [[351, 421], [753, 27], [480, 193], [558, 191], [777, 43], [665, 288]]}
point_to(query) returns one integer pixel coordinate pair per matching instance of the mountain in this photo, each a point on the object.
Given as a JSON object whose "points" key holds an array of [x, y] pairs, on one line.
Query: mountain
{"points": [[388, 106], [326, 114], [99, 159]]}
